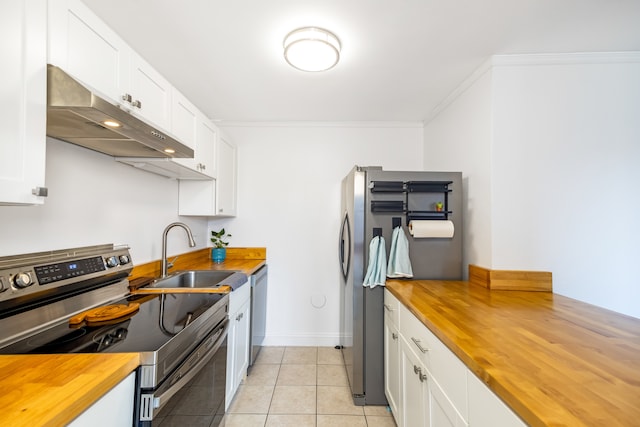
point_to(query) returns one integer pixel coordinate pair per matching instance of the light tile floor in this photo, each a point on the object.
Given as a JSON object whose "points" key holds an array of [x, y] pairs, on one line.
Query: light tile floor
{"points": [[301, 386]]}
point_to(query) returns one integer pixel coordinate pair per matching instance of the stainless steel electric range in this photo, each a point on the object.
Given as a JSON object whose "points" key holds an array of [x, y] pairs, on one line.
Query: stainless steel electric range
{"points": [[77, 301]]}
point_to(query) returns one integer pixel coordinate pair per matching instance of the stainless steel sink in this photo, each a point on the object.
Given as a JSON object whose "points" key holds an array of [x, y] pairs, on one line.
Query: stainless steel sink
{"points": [[201, 279]]}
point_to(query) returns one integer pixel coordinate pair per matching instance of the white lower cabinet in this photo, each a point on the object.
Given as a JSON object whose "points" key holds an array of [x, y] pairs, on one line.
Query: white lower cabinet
{"points": [[442, 411], [414, 400], [431, 380], [238, 340], [115, 408], [392, 356], [486, 409]]}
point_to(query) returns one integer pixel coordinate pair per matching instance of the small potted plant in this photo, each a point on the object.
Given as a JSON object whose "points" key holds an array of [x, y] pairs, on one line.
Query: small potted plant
{"points": [[219, 251]]}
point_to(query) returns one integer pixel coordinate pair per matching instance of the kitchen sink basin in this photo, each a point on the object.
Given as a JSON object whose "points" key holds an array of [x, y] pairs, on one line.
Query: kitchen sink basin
{"points": [[201, 279]]}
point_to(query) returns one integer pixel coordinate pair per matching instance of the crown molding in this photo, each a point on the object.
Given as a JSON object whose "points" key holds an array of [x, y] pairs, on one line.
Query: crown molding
{"points": [[541, 59], [320, 124]]}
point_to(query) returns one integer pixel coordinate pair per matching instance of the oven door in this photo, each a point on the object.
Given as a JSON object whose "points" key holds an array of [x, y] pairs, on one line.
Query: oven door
{"points": [[194, 394]]}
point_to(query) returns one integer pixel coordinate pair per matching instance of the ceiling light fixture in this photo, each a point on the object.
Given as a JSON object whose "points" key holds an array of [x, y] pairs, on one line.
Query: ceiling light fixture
{"points": [[311, 49]]}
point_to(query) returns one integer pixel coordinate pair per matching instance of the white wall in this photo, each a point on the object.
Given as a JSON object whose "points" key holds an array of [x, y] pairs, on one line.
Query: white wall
{"points": [[289, 201], [564, 172], [94, 200], [459, 139]]}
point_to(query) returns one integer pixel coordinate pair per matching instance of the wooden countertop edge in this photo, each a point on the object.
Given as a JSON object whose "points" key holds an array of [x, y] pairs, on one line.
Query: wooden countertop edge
{"points": [[52, 390]]}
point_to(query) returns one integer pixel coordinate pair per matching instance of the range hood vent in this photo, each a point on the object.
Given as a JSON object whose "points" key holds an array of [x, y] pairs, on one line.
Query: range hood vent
{"points": [[76, 114]]}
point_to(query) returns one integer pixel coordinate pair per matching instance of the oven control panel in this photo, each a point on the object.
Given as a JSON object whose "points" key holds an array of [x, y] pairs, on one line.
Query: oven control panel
{"points": [[22, 277], [66, 270]]}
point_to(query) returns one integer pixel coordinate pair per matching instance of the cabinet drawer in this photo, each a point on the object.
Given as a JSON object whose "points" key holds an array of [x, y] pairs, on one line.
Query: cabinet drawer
{"points": [[391, 308], [416, 335]]}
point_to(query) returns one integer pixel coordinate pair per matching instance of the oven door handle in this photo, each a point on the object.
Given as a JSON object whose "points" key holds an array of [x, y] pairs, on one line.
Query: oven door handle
{"points": [[190, 367]]}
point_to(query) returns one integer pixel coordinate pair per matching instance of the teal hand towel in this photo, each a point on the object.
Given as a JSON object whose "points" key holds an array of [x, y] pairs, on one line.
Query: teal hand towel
{"points": [[377, 261], [399, 262]]}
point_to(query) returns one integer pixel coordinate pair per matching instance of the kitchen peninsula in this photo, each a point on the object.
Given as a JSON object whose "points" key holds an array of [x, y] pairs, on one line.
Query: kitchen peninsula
{"points": [[554, 360]]}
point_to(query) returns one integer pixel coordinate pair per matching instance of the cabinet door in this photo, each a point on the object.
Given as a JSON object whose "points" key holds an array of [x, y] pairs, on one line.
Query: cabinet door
{"points": [[392, 372], [151, 94], [190, 125], [486, 409], [443, 413], [115, 408], [415, 400], [23, 30], [184, 123], [226, 179], [206, 144], [199, 197], [86, 48], [237, 340], [241, 357]]}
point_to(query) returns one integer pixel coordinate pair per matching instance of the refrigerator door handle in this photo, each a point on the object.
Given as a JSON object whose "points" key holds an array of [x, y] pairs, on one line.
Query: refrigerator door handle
{"points": [[345, 246]]}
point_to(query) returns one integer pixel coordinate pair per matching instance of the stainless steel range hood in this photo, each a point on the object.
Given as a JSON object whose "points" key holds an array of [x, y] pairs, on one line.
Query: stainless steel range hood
{"points": [[76, 114]]}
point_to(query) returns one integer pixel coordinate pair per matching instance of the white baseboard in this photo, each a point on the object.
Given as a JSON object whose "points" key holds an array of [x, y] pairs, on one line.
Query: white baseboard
{"points": [[301, 341]]}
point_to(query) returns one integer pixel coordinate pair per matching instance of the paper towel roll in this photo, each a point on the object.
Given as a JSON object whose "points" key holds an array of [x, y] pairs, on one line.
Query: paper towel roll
{"points": [[432, 228]]}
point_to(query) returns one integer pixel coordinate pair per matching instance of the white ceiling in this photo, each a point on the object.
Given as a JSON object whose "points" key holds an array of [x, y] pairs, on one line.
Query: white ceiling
{"points": [[400, 58]]}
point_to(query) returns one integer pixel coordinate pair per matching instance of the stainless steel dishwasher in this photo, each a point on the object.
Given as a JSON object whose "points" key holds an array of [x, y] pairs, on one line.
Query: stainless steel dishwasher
{"points": [[258, 312]]}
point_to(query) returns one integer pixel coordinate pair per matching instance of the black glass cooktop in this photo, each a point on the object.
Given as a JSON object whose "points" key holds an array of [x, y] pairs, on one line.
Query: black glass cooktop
{"points": [[158, 320]]}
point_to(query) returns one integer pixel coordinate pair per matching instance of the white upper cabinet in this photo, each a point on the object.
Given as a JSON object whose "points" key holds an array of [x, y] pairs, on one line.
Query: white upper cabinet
{"points": [[194, 129], [212, 198], [23, 30], [150, 94], [86, 48], [226, 178], [184, 122]]}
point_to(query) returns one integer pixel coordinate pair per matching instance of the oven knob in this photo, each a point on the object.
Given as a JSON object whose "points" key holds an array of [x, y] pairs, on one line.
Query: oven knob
{"points": [[124, 259], [112, 261], [22, 280]]}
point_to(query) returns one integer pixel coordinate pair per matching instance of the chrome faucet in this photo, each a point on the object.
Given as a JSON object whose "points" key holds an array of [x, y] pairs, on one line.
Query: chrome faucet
{"points": [[192, 243]]}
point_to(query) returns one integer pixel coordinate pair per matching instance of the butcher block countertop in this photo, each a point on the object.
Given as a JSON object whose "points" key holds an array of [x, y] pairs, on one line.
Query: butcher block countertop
{"points": [[554, 360], [246, 260], [51, 390]]}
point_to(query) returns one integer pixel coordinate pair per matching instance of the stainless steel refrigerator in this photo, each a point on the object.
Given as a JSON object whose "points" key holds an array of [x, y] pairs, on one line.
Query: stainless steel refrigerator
{"points": [[373, 203]]}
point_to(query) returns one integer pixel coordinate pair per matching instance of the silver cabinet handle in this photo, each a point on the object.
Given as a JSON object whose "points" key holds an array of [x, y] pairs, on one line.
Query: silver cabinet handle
{"points": [[136, 104], [420, 347], [126, 98], [239, 316], [388, 307], [394, 335], [417, 370], [40, 191]]}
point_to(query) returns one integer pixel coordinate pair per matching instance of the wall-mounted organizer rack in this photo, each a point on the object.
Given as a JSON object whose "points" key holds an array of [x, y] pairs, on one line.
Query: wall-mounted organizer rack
{"points": [[424, 200]]}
